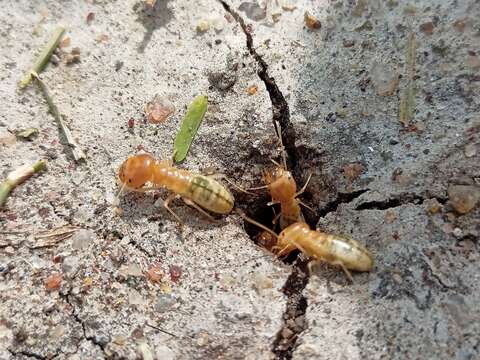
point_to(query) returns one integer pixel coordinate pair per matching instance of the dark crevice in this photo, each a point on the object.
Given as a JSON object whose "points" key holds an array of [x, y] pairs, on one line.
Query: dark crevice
{"points": [[294, 321], [342, 198], [399, 200], [294, 316], [28, 354], [281, 112], [77, 318]]}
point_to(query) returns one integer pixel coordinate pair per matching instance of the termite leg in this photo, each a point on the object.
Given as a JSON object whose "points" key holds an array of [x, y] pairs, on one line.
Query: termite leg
{"points": [[195, 206], [306, 206], [275, 219], [299, 247], [279, 133], [302, 190], [345, 270], [311, 265], [279, 254], [116, 201], [276, 163], [256, 223], [259, 187], [166, 203]]}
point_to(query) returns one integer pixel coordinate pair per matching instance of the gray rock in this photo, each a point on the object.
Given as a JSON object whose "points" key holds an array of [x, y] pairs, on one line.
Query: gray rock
{"points": [[82, 239]]}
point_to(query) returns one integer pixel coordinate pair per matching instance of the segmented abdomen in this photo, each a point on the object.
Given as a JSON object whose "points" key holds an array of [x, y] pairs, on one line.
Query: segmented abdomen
{"points": [[209, 194], [202, 190]]}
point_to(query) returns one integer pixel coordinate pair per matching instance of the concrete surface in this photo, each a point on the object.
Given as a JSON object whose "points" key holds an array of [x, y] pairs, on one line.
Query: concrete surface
{"points": [[388, 185]]}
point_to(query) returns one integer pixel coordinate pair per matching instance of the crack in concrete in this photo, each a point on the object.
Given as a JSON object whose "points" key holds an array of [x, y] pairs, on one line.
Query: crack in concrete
{"points": [[30, 354], [280, 109], [77, 319], [284, 344], [396, 201], [342, 198]]}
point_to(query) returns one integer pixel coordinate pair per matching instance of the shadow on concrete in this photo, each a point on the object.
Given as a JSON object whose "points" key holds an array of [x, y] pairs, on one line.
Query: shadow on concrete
{"points": [[152, 19]]}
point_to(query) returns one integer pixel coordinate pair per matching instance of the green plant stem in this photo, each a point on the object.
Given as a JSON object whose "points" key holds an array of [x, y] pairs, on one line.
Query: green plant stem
{"points": [[18, 176], [78, 154], [44, 56]]}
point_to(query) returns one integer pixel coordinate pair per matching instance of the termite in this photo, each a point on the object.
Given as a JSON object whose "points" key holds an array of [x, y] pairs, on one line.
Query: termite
{"points": [[283, 189], [199, 191], [336, 250]]}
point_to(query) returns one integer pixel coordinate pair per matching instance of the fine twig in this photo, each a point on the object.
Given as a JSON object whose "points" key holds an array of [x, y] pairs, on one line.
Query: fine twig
{"points": [[18, 176], [78, 154], [49, 238], [44, 57], [160, 329]]}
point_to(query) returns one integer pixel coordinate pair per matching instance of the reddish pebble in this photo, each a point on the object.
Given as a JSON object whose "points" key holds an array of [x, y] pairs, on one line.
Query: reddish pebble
{"points": [[154, 274], [53, 282], [175, 273], [90, 17], [131, 123]]}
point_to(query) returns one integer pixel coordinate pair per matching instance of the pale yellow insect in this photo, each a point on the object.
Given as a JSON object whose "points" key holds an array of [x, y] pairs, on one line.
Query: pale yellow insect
{"points": [[337, 250], [198, 191]]}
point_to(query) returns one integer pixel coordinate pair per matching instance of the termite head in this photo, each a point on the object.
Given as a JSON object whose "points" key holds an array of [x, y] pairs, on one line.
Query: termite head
{"points": [[289, 238], [281, 184], [136, 171]]}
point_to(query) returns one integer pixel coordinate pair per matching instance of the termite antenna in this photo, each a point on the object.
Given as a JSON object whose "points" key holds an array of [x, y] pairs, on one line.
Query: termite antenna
{"points": [[259, 187], [256, 223], [116, 200], [279, 133]]}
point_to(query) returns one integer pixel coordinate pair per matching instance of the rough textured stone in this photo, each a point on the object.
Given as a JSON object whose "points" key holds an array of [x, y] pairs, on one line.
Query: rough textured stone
{"points": [[372, 178]]}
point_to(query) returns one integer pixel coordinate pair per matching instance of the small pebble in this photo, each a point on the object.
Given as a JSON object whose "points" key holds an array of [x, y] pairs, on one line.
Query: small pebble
{"points": [[9, 250], [203, 26], [164, 303], [252, 90], [463, 198], [163, 352], [427, 28], [287, 333], [311, 21], [433, 206], [159, 109], [54, 59], [144, 350], [470, 150], [53, 282], [135, 298], [154, 274], [70, 265], [118, 65], [175, 273], [36, 262], [131, 270], [262, 282], [119, 340], [57, 332], [253, 10], [82, 239], [457, 232], [202, 338]]}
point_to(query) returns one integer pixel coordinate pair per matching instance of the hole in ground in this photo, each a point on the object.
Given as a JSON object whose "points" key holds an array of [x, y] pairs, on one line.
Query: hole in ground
{"points": [[294, 315]]}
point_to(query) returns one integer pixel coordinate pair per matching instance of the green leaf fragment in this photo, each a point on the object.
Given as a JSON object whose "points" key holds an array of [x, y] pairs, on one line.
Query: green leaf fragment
{"points": [[27, 134], [190, 124]]}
